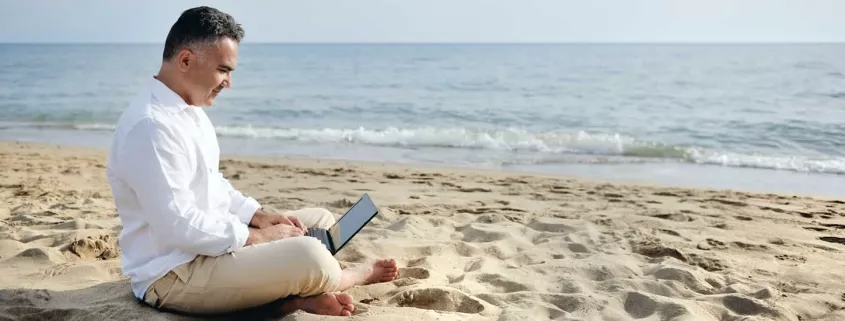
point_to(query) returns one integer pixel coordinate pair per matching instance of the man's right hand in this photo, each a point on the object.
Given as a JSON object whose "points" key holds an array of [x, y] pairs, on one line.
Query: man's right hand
{"points": [[272, 233]]}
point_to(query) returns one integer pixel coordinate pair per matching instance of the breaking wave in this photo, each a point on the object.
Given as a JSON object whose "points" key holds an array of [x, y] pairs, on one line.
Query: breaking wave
{"points": [[549, 145]]}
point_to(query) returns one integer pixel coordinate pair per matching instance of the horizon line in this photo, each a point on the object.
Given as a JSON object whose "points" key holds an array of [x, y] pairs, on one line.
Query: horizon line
{"points": [[445, 43]]}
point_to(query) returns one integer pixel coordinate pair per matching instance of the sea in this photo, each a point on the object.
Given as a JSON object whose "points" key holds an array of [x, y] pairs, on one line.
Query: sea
{"points": [[755, 117]]}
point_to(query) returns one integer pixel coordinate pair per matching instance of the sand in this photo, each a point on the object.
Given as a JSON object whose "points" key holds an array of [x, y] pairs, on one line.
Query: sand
{"points": [[471, 244]]}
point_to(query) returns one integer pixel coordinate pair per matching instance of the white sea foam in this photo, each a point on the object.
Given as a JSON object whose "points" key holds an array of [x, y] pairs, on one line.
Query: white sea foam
{"points": [[549, 145]]}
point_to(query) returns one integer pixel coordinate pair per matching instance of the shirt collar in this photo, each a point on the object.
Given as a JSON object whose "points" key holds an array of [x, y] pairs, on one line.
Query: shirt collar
{"points": [[167, 96]]}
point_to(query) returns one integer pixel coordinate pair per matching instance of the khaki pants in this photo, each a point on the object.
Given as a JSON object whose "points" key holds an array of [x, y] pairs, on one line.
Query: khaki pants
{"points": [[253, 275]]}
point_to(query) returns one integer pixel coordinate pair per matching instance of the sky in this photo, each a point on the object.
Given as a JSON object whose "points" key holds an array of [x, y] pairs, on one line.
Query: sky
{"points": [[438, 21]]}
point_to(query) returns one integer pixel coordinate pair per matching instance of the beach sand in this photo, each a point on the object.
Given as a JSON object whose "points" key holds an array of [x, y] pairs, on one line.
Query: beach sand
{"points": [[471, 244]]}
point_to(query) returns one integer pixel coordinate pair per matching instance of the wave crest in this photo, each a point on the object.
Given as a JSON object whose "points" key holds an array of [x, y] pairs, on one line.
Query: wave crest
{"points": [[551, 144]]}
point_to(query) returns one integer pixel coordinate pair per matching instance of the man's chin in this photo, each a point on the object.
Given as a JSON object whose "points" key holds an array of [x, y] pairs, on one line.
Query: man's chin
{"points": [[207, 103]]}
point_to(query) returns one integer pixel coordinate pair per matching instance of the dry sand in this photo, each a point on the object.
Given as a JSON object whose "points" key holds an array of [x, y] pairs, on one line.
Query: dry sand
{"points": [[471, 245]]}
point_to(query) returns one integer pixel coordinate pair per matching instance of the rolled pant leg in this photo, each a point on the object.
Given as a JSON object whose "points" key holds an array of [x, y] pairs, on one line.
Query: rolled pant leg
{"points": [[250, 277]]}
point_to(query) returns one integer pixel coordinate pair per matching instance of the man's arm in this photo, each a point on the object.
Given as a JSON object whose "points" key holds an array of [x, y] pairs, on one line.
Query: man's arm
{"points": [[241, 206], [156, 167], [250, 212]]}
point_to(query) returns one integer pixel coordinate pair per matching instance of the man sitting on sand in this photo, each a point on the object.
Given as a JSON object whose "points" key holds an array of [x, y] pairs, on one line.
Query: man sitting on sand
{"points": [[190, 241]]}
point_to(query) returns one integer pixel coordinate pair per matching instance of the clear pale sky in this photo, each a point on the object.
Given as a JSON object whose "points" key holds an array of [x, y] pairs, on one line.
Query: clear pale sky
{"points": [[438, 20]]}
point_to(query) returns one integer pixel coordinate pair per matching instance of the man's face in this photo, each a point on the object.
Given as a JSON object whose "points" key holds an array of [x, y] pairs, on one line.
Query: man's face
{"points": [[210, 71]]}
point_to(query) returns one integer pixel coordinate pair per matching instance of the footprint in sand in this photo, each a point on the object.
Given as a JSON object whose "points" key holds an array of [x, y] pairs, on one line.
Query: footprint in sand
{"points": [[494, 218], [750, 246], [674, 217], [788, 257], [471, 211], [836, 226], [639, 306], [712, 244], [466, 249], [833, 239], [656, 250], [414, 272], [474, 190], [692, 278], [551, 225], [570, 303], [669, 232], [475, 265], [71, 171], [578, 248], [498, 283], [709, 264], [479, 234], [748, 306], [806, 214], [773, 209], [439, 299], [815, 228]]}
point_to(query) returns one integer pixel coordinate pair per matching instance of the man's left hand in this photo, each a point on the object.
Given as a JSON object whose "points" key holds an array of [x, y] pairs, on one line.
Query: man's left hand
{"points": [[262, 219]]}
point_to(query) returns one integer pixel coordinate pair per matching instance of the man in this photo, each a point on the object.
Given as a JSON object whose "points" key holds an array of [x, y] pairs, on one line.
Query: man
{"points": [[190, 241]]}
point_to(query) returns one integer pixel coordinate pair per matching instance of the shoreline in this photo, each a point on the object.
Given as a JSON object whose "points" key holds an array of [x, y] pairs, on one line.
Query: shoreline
{"points": [[594, 173]]}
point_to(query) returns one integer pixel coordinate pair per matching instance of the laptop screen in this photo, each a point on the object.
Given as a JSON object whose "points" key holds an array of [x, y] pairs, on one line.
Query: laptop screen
{"points": [[352, 221]]}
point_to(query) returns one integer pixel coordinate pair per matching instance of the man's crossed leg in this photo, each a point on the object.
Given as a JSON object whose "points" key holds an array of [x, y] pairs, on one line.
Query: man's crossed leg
{"points": [[300, 269]]}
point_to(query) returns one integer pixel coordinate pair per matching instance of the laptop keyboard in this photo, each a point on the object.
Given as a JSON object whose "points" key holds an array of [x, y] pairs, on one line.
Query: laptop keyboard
{"points": [[320, 234]]}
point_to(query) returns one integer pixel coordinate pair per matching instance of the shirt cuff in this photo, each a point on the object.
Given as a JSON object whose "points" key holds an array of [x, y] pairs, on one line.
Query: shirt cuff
{"points": [[241, 235], [247, 210]]}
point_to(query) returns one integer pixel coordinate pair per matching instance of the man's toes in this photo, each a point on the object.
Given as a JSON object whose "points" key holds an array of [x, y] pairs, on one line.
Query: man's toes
{"points": [[389, 263], [344, 299]]}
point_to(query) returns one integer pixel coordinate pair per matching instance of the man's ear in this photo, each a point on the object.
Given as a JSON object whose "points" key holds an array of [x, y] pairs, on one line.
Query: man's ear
{"points": [[185, 59]]}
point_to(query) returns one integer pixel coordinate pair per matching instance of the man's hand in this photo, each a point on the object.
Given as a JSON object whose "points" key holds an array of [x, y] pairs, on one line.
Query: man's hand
{"points": [[272, 233], [262, 219]]}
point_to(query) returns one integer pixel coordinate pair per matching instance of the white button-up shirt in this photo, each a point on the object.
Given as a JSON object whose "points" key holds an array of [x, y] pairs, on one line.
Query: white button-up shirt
{"points": [[171, 198]]}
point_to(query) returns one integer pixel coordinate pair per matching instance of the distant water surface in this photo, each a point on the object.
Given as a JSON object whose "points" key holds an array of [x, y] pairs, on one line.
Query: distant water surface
{"points": [[767, 117]]}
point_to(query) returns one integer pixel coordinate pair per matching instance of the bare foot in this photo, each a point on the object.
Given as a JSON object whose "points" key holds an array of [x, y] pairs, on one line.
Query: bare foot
{"points": [[327, 304], [379, 271]]}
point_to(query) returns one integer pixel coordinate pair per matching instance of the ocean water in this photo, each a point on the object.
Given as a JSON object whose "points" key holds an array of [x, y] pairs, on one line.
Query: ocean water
{"points": [[757, 117]]}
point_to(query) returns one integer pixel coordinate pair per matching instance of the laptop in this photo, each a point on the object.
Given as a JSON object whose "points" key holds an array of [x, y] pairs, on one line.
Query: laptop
{"points": [[339, 234]]}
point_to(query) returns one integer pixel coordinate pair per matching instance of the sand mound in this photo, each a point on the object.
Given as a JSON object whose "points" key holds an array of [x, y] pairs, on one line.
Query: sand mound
{"points": [[102, 248]]}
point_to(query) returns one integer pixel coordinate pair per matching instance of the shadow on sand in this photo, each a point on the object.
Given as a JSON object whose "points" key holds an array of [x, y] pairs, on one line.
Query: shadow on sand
{"points": [[105, 301]]}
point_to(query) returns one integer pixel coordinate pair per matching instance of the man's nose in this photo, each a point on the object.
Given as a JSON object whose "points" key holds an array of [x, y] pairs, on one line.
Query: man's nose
{"points": [[227, 83]]}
